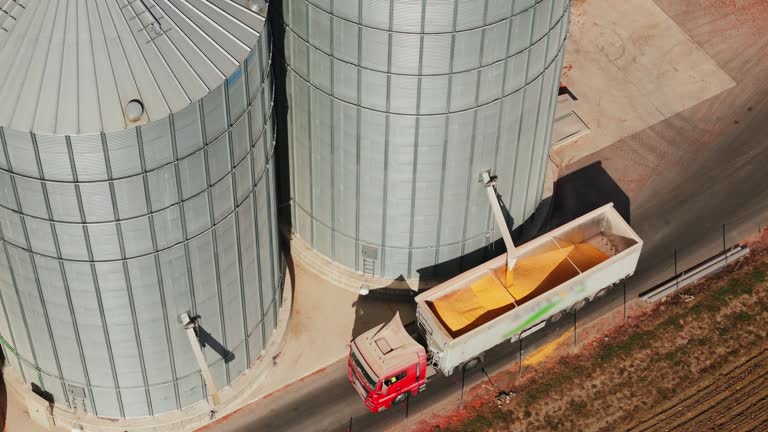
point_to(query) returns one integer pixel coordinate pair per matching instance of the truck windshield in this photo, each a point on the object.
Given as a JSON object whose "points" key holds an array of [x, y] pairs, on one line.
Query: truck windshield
{"points": [[363, 371]]}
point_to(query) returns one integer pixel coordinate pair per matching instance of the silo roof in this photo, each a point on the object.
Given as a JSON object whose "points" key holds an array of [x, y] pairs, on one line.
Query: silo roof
{"points": [[74, 66]]}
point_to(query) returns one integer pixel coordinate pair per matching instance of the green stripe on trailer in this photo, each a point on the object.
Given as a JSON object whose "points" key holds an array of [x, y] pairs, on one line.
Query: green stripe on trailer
{"points": [[539, 313]]}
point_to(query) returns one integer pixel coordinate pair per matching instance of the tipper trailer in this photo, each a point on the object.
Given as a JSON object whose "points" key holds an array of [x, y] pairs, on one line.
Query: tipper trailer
{"points": [[501, 300]]}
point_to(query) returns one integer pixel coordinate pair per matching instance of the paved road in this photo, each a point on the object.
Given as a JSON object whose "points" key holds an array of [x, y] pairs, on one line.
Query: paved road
{"points": [[713, 169]]}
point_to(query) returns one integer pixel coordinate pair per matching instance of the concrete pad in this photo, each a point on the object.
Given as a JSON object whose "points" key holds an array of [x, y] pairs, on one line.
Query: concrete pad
{"points": [[323, 321], [25, 411], [40, 411], [631, 66]]}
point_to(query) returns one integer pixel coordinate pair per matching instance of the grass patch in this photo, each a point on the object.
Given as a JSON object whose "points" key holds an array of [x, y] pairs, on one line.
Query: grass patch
{"points": [[699, 342], [758, 275], [483, 422], [635, 341], [578, 407], [502, 416], [478, 423], [672, 323], [723, 330], [551, 423], [740, 317], [674, 357], [733, 288], [763, 305], [547, 385], [705, 306], [666, 392], [733, 321]]}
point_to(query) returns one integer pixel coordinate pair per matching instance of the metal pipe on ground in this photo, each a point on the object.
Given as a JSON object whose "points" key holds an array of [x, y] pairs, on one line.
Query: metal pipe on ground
{"points": [[695, 273]]}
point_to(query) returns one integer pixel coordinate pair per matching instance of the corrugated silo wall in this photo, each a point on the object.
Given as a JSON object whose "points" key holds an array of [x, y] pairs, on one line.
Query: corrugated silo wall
{"points": [[395, 108], [107, 238]]}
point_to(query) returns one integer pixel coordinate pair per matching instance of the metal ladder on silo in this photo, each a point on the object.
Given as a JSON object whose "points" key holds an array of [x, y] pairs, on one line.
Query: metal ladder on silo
{"points": [[370, 255], [369, 267]]}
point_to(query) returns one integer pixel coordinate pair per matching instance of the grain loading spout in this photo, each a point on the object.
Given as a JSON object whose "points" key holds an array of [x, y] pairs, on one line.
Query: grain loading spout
{"points": [[493, 198]]}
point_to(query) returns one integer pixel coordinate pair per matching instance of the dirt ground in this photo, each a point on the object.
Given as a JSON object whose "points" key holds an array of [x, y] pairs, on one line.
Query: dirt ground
{"points": [[733, 400], [695, 362]]}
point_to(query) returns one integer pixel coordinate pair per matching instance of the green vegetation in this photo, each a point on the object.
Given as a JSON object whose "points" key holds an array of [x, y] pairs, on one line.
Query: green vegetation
{"points": [[674, 357], [578, 407], [478, 423], [672, 323], [740, 317], [570, 371], [733, 288], [699, 342], [551, 423], [705, 306], [666, 392], [635, 341]]}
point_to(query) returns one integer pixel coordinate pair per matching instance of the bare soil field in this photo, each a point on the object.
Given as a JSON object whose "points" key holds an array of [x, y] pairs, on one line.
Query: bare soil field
{"points": [[730, 400], [695, 362]]}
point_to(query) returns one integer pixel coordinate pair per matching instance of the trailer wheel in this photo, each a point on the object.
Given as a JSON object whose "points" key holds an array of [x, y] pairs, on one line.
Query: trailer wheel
{"points": [[579, 305], [601, 293], [556, 317], [472, 363]]}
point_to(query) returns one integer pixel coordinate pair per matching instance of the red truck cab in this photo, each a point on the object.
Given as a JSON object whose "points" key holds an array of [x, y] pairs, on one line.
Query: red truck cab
{"points": [[386, 365]]}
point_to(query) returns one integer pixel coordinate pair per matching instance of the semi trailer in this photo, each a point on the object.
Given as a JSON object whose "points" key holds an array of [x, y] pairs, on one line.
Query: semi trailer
{"points": [[503, 299]]}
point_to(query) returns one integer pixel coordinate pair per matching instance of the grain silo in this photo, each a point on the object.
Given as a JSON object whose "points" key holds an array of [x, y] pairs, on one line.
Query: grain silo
{"points": [[136, 184], [395, 108]]}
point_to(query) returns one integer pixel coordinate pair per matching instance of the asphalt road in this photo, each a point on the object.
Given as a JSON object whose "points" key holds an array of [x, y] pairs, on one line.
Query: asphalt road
{"points": [[702, 182]]}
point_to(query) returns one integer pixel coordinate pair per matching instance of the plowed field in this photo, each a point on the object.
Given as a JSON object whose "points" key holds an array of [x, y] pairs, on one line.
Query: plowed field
{"points": [[736, 400]]}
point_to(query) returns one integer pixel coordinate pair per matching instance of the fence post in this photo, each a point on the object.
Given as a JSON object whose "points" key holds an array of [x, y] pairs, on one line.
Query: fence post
{"points": [[625, 298], [461, 402], [677, 279], [407, 406], [726, 255], [574, 327]]}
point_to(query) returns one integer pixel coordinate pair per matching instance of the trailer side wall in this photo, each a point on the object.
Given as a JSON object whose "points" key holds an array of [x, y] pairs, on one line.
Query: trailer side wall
{"points": [[452, 352]]}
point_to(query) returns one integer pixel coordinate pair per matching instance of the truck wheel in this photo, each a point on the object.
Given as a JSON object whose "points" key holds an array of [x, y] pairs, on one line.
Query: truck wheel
{"points": [[556, 317], [400, 398]]}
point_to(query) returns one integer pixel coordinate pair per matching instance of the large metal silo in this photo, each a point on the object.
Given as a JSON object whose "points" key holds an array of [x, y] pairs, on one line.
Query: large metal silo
{"points": [[136, 184], [396, 106]]}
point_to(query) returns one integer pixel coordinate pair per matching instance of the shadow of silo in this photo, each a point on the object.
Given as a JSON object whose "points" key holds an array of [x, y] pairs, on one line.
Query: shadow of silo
{"points": [[584, 190], [280, 116], [574, 195]]}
